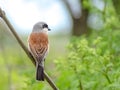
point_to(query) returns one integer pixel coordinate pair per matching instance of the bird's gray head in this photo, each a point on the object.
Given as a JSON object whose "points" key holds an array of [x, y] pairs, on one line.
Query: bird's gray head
{"points": [[40, 27]]}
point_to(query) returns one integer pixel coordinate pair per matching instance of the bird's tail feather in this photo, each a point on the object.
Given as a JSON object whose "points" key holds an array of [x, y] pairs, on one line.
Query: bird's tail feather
{"points": [[40, 73]]}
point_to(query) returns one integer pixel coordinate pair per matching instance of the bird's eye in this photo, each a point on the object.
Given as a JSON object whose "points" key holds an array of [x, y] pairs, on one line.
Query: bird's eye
{"points": [[45, 26]]}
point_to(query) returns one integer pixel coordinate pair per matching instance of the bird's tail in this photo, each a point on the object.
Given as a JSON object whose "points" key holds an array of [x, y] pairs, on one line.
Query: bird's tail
{"points": [[39, 73]]}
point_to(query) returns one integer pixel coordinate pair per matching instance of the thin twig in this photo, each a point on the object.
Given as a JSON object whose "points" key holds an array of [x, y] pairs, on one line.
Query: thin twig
{"points": [[78, 76], [107, 76], [3, 16]]}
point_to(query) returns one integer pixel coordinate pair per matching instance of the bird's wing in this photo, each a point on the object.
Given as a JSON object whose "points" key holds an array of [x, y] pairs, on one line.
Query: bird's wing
{"points": [[38, 44]]}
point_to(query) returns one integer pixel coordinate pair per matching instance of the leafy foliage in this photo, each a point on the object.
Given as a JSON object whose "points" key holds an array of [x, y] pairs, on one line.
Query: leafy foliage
{"points": [[92, 62]]}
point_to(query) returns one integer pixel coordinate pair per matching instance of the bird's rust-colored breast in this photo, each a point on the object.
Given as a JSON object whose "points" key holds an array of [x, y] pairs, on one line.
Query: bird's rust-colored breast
{"points": [[38, 43], [37, 38]]}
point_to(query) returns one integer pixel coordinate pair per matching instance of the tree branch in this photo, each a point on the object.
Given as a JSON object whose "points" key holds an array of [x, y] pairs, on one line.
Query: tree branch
{"points": [[3, 16]]}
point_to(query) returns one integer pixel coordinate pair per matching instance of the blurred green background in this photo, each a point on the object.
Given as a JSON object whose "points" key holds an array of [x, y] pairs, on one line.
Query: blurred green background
{"points": [[85, 55]]}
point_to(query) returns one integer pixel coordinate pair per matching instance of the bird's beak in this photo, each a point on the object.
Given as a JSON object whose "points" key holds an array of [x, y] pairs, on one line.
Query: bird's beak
{"points": [[49, 29]]}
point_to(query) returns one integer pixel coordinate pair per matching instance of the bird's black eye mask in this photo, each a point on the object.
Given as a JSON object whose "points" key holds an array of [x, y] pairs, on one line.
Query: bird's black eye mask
{"points": [[45, 26]]}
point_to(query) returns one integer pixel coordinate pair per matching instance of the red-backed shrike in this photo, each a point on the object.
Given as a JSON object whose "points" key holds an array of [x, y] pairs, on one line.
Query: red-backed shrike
{"points": [[39, 47]]}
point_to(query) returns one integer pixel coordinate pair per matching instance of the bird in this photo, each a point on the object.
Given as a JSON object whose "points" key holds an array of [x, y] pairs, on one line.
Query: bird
{"points": [[38, 44]]}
